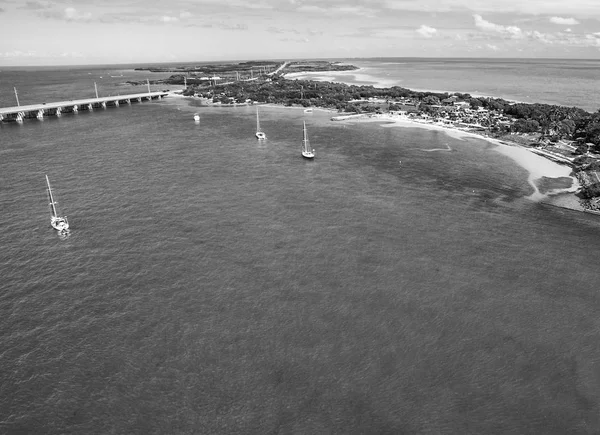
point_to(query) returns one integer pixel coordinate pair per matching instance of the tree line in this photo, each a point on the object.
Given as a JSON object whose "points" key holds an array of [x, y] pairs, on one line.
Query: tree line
{"points": [[551, 121]]}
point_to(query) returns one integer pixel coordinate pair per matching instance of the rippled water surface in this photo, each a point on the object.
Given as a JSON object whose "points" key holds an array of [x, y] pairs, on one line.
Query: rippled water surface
{"points": [[565, 82], [215, 284]]}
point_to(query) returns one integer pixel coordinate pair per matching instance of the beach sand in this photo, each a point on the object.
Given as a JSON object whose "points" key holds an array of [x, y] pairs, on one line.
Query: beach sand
{"points": [[361, 77], [553, 183]]}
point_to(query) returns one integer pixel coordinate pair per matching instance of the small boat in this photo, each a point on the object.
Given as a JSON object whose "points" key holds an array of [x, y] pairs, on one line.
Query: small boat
{"points": [[309, 110], [59, 223], [307, 152], [197, 117], [259, 134]]}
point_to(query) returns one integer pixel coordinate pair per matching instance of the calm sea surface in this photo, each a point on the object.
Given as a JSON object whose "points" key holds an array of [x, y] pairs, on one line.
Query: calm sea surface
{"points": [[566, 82], [214, 284]]}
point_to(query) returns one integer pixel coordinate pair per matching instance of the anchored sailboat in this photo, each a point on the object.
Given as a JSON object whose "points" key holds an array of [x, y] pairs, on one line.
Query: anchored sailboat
{"points": [[59, 223], [307, 152], [259, 134]]}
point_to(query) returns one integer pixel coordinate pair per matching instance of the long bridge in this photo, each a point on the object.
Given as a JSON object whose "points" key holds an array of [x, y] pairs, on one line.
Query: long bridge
{"points": [[19, 113]]}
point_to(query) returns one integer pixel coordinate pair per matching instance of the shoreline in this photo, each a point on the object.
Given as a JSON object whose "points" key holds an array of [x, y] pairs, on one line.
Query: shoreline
{"points": [[373, 81], [538, 166]]}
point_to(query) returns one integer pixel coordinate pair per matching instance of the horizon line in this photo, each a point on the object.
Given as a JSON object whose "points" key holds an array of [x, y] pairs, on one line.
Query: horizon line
{"points": [[161, 62]]}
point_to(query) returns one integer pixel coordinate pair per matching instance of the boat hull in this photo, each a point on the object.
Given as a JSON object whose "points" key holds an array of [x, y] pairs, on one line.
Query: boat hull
{"points": [[59, 224], [260, 135], [308, 155]]}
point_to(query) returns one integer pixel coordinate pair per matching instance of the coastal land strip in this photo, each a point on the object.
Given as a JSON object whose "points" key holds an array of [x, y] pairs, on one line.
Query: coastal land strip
{"points": [[569, 137]]}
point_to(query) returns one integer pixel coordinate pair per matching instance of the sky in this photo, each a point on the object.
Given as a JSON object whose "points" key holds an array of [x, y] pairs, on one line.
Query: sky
{"points": [[81, 32]]}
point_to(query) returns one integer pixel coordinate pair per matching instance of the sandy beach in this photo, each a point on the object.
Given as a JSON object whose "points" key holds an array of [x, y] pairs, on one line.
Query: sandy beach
{"points": [[558, 190], [361, 76], [552, 182]]}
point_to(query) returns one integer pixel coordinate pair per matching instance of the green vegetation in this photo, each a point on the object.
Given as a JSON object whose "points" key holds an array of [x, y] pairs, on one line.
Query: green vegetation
{"points": [[239, 71], [552, 122], [561, 132]]}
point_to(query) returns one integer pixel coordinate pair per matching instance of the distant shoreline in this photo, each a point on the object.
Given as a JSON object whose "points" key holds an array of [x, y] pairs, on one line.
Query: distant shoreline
{"points": [[355, 99], [537, 165], [382, 84]]}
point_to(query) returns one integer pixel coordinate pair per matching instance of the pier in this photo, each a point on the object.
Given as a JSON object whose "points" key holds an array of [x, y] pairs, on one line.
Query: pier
{"points": [[39, 111]]}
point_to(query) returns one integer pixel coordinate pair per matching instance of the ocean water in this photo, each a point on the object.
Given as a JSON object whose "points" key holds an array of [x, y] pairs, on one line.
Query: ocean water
{"points": [[566, 82], [399, 283], [35, 85]]}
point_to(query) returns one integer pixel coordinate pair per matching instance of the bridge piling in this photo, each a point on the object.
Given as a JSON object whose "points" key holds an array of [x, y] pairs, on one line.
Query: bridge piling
{"points": [[19, 113]]}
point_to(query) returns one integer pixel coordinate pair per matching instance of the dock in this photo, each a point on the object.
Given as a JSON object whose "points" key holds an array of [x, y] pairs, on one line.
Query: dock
{"points": [[39, 111]]}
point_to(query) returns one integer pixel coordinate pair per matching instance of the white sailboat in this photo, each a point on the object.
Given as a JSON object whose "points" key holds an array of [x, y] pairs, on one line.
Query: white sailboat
{"points": [[59, 223], [259, 134], [197, 117], [307, 152]]}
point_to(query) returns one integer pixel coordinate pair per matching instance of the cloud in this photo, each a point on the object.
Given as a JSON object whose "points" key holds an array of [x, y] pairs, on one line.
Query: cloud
{"points": [[38, 55], [36, 5], [18, 53], [342, 8], [226, 26], [587, 8], [302, 40], [564, 21], [546, 38], [426, 31], [492, 47], [512, 31], [68, 14], [168, 19], [565, 39], [74, 54], [71, 14]]}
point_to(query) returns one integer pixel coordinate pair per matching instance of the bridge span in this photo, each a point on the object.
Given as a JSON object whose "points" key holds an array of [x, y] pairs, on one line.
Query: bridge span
{"points": [[19, 113]]}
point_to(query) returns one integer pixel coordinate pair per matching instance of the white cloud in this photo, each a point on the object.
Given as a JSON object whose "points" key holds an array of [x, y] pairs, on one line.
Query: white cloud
{"points": [[18, 53], [40, 55], [564, 21], [587, 8], [493, 47], [426, 31], [542, 37], [183, 15], [36, 5], [168, 19], [512, 31], [333, 9], [73, 54], [566, 39], [312, 9], [71, 14]]}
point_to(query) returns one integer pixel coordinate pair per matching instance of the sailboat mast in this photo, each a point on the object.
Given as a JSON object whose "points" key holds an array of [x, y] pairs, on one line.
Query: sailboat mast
{"points": [[257, 121], [305, 139], [52, 203]]}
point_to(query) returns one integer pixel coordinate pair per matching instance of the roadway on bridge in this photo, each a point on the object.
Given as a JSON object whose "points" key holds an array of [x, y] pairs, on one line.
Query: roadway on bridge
{"points": [[54, 105]]}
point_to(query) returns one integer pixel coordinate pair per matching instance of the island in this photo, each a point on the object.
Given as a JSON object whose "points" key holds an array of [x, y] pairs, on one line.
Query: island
{"points": [[248, 71], [568, 135]]}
